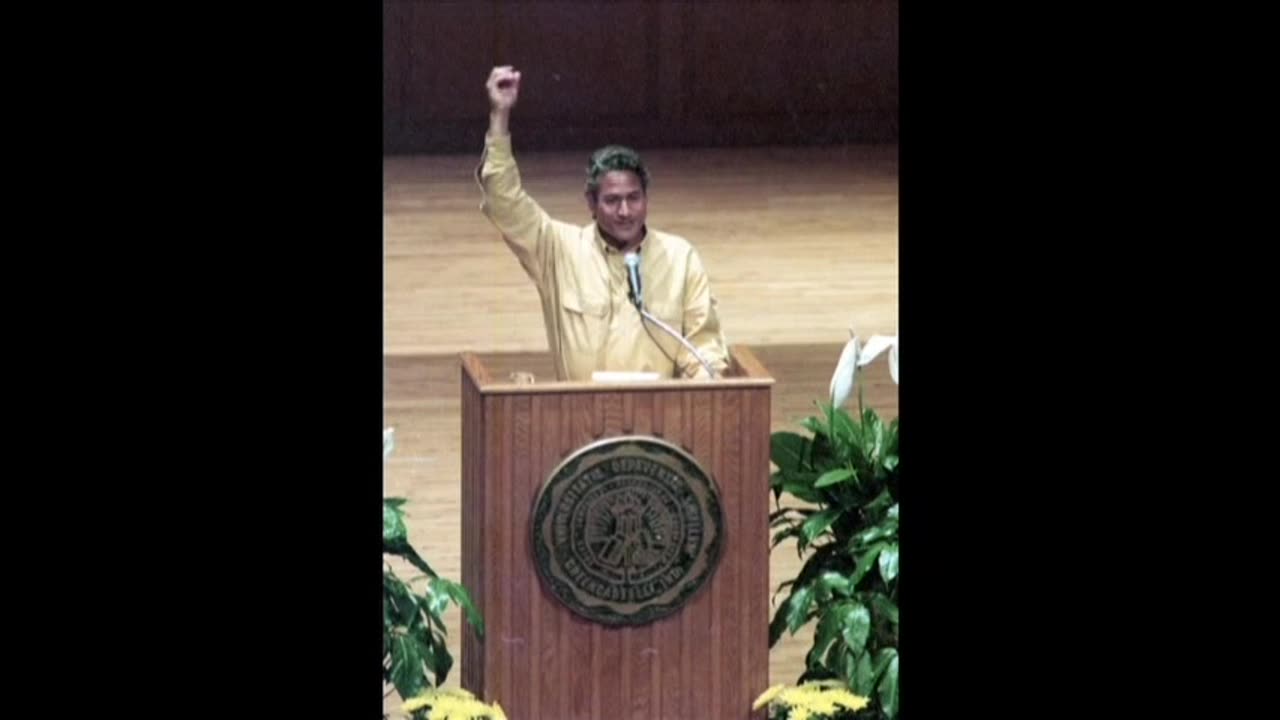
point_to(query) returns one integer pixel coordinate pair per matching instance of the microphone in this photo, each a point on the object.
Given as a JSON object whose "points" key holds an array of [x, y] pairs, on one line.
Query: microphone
{"points": [[632, 261], [633, 276]]}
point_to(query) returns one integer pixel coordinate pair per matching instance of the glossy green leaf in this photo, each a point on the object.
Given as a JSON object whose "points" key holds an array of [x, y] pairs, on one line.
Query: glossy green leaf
{"points": [[818, 524], [408, 673], [846, 431], [855, 625], [891, 439], [866, 561], [866, 538], [824, 636], [787, 449], [462, 598], [437, 601], [821, 559], [889, 562], [814, 425], [406, 551], [798, 608], [778, 624], [831, 477], [888, 687], [885, 608], [399, 602], [881, 502], [393, 529], [864, 677], [802, 488], [836, 583], [438, 658]]}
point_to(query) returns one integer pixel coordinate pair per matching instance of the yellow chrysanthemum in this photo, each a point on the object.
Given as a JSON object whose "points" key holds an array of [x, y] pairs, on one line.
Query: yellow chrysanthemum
{"points": [[452, 704], [810, 699], [459, 708], [444, 707], [766, 696], [417, 703], [847, 699]]}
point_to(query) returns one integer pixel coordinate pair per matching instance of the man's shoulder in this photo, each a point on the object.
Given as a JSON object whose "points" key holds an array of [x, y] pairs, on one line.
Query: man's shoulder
{"points": [[668, 242]]}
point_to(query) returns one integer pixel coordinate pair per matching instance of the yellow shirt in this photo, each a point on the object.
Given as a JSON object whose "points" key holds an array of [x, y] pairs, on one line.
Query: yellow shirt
{"points": [[590, 321]]}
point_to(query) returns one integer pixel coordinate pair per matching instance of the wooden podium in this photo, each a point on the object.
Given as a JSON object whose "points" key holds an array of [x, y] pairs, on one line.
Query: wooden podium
{"points": [[708, 659]]}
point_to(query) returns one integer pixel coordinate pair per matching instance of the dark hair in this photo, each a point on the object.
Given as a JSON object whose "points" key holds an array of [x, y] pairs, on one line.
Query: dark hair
{"points": [[614, 157]]}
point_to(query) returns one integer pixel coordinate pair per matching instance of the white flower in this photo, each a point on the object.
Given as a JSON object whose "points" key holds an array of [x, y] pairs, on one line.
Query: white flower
{"points": [[855, 355], [388, 442], [878, 344], [842, 381], [893, 360]]}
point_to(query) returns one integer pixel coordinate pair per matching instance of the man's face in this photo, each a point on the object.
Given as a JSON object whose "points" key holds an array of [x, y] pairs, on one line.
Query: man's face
{"points": [[620, 206]]}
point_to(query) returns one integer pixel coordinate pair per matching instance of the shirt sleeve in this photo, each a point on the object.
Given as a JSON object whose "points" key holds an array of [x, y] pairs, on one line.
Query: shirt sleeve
{"points": [[701, 325], [526, 228]]}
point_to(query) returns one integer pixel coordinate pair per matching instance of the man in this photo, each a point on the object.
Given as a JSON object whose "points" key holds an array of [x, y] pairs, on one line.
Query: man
{"points": [[580, 272]]}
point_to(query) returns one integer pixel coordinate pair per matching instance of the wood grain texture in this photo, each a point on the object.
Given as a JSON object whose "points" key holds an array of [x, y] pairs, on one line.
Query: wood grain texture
{"points": [[711, 654], [473, 508]]}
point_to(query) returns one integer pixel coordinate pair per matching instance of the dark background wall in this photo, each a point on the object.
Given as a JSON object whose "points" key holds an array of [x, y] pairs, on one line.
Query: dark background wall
{"points": [[644, 73]]}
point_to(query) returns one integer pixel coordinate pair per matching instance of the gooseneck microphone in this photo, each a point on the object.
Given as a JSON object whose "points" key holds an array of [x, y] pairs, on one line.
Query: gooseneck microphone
{"points": [[632, 261]]}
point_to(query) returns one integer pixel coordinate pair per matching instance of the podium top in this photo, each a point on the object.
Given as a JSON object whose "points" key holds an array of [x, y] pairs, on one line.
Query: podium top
{"points": [[491, 375]]}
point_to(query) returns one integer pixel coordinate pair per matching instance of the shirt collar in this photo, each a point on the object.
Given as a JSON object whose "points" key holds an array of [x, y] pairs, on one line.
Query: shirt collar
{"points": [[610, 251]]}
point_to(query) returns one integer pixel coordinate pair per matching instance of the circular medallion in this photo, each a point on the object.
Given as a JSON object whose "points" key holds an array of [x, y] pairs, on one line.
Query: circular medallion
{"points": [[627, 529]]}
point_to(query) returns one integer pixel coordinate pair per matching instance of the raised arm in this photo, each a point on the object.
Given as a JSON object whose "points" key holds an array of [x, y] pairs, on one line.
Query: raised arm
{"points": [[525, 226]]}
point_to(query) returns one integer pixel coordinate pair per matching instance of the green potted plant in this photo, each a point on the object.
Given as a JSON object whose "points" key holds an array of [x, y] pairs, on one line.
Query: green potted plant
{"points": [[415, 658], [846, 475]]}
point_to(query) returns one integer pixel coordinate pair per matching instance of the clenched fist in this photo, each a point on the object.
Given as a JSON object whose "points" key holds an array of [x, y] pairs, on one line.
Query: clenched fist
{"points": [[504, 88]]}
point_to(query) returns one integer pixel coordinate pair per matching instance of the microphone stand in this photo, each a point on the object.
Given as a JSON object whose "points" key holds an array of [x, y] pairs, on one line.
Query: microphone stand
{"points": [[671, 331], [632, 261]]}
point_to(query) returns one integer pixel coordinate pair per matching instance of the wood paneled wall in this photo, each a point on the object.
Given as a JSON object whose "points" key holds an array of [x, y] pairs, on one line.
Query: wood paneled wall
{"points": [[643, 73]]}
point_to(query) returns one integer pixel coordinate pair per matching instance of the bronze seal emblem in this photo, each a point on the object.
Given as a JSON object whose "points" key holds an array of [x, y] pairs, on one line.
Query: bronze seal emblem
{"points": [[627, 529]]}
